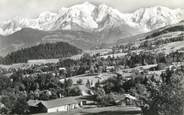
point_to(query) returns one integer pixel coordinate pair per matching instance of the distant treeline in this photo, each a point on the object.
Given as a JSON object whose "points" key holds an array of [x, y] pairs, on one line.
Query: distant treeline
{"points": [[42, 51]]}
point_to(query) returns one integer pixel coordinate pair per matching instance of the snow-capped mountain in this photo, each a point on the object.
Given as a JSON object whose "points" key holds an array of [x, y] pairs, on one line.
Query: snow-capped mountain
{"points": [[85, 26], [76, 17], [157, 16], [90, 17], [44, 22]]}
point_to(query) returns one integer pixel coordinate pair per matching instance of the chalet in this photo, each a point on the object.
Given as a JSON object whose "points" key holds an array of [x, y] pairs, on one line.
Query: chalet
{"points": [[87, 100], [130, 100], [62, 71], [125, 99], [57, 105], [110, 68], [2, 105]]}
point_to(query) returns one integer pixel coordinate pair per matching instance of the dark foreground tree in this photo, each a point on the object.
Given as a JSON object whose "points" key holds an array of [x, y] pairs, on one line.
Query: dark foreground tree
{"points": [[21, 107], [168, 98]]}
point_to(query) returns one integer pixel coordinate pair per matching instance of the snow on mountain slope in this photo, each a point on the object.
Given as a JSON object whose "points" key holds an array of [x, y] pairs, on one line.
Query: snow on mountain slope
{"points": [[44, 22], [90, 17], [157, 16], [76, 17]]}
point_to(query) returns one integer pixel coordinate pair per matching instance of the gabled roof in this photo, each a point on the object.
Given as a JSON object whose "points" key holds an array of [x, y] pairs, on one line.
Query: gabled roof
{"points": [[33, 103], [130, 96], [55, 102], [2, 105], [122, 97]]}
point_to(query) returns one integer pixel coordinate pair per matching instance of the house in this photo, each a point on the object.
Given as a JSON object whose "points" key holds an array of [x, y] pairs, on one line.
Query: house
{"points": [[62, 71], [2, 105], [110, 68], [57, 105], [125, 100], [130, 100], [87, 100]]}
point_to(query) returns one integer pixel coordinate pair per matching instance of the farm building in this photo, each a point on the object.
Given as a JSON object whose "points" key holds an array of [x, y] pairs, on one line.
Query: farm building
{"points": [[57, 105]]}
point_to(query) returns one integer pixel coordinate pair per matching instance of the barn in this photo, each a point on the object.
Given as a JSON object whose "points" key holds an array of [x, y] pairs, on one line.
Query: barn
{"points": [[56, 105]]}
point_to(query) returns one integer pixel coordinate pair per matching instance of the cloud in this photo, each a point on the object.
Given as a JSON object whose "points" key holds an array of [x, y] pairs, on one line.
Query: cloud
{"points": [[30, 8]]}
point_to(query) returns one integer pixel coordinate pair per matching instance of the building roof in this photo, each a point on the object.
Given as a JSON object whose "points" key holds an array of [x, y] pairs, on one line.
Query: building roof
{"points": [[2, 105], [62, 68], [55, 102], [130, 96], [122, 97], [60, 102], [33, 103]]}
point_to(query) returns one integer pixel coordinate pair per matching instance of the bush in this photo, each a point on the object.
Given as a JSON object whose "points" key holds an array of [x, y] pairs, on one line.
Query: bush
{"points": [[75, 91], [79, 82]]}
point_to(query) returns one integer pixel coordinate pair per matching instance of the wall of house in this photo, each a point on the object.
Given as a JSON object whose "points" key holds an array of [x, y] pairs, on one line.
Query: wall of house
{"points": [[57, 109], [63, 108], [73, 106]]}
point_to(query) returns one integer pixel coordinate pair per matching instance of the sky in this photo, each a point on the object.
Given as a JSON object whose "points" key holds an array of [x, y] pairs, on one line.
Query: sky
{"points": [[32, 8]]}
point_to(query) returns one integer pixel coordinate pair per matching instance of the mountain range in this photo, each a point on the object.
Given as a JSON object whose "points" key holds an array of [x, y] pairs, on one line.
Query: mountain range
{"points": [[84, 25]]}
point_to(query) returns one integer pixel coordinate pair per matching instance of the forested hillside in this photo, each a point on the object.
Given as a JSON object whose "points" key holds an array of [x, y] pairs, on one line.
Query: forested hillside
{"points": [[42, 51]]}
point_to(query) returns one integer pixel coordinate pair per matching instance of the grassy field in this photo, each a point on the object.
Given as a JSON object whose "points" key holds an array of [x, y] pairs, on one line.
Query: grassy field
{"points": [[170, 47]]}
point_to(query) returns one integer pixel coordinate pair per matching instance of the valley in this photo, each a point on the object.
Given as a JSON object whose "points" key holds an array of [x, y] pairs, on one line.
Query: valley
{"points": [[91, 59], [132, 70]]}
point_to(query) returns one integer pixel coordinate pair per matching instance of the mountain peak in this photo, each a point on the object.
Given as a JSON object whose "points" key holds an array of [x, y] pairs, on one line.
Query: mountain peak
{"points": [[89, 16], [88, 3], [85, 5], [159, 7], [46, 13]]}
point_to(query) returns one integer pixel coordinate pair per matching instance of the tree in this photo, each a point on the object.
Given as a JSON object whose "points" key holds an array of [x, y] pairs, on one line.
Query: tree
{"points": [[9, 102], [44, 96], [88, 84], [4, 111], [102, 98], [4, 83], [168, 97], [21, 106], [68, 83], [92, 69], [75, 91], [79, 81], [53, 93]]}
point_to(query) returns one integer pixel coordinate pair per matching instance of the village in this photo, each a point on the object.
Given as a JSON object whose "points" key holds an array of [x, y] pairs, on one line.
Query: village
{"points": [[91, 57], [85, 83], [114, 81]]}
